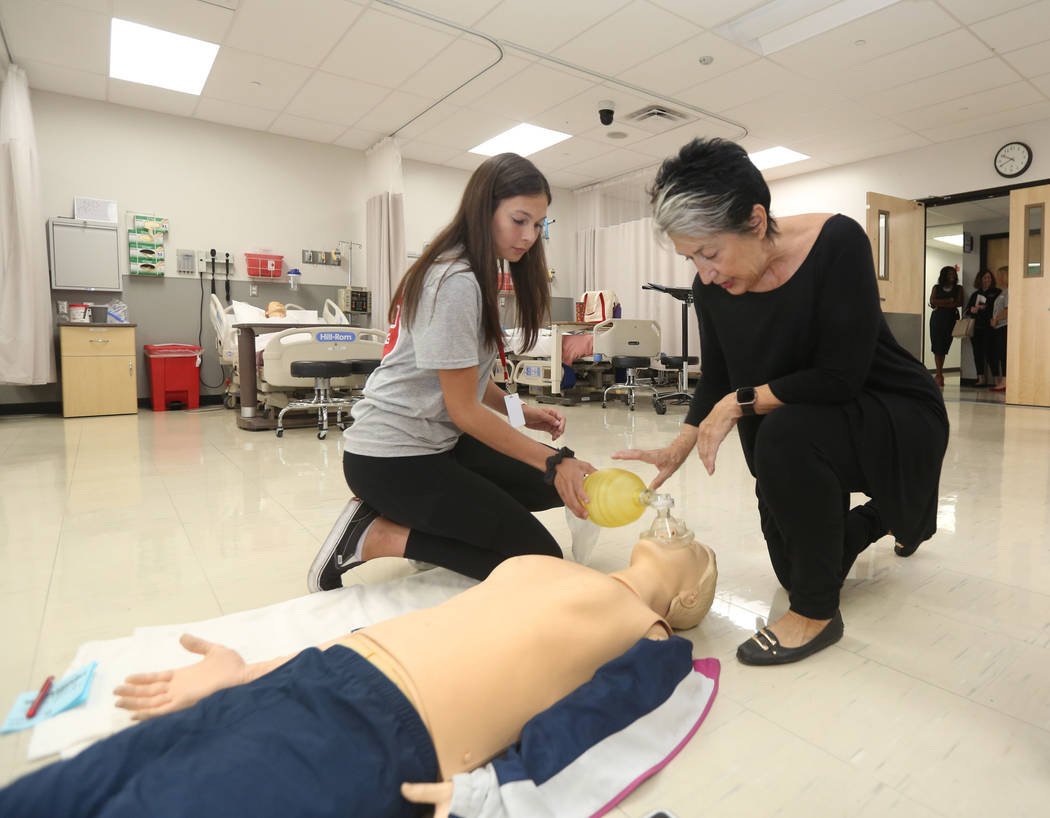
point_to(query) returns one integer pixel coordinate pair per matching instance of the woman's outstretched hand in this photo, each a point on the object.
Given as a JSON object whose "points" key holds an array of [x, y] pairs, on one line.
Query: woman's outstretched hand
{"points": [[544, 419], [153, 694], [667, 460], [718, 423]]}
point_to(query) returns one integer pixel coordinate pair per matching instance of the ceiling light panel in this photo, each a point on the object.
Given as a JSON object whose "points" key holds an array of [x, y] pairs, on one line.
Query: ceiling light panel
{"points": [[152, 56], [775, 157], [523, 139]]}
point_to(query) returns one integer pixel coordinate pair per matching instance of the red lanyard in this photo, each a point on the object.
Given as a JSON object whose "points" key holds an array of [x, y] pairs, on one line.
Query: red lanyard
{"points": [[503, 360]]}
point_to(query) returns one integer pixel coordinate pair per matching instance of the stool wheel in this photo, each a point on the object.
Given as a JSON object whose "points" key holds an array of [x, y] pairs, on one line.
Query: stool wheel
{"points": [[660, 407]]}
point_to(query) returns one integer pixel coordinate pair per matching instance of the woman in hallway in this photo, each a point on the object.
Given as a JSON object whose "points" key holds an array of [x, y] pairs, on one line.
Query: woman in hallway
{"points": [[1000, 316], [946, 298], [796, 354], [979, 307]]}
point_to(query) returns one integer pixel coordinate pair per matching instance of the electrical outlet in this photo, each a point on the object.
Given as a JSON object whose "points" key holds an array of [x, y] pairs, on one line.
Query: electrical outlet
{"points": [[253, 289], [202, 262]]}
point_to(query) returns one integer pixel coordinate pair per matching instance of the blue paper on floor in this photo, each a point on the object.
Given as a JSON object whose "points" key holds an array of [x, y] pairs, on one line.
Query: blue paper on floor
{"points": [[69, 692]]}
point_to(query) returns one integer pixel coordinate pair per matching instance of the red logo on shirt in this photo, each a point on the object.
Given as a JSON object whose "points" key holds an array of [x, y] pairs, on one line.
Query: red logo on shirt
{"points": [[392, 333]]}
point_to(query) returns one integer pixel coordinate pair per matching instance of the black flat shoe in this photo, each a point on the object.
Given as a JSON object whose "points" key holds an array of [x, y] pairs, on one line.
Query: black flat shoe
{"points": [[765, 649], [905, 550]]}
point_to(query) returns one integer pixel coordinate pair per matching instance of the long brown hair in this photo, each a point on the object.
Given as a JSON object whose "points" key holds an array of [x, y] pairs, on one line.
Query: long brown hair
{"points": [[500, 177]]}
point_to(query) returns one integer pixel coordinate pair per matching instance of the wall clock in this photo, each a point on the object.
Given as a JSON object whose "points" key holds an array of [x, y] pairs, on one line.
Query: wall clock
{"points": [[1013, 159]]}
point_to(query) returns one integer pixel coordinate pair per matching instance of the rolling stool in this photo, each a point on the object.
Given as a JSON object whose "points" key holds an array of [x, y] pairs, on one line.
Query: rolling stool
{"points": [[322, 372], [632, 363], [681, 364]]}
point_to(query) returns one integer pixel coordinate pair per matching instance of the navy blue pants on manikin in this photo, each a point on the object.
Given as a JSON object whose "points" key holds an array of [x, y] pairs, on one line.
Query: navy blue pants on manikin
{"points": [[325, 734]]}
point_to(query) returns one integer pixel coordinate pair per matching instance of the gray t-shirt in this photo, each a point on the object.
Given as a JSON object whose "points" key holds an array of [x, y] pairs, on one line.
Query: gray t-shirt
{"points": [[403, 410], [1001, 303]]}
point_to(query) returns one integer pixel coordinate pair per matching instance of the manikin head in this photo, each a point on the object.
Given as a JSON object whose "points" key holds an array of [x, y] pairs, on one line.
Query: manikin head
{"points": [[691, 569]]}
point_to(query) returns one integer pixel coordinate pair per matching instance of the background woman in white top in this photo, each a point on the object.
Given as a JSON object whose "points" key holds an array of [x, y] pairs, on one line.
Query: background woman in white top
{"points": [[436, 475]]}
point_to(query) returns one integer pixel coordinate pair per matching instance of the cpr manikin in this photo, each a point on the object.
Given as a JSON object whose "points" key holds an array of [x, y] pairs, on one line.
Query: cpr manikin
{"points": [[476, 668]]}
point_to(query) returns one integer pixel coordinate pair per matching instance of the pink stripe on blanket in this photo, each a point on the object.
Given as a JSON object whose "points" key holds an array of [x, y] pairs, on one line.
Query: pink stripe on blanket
{"points": [[705, 667]]}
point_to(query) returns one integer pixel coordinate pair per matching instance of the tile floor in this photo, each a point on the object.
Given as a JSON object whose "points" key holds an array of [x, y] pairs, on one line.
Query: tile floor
{"points": [[935, 703]]}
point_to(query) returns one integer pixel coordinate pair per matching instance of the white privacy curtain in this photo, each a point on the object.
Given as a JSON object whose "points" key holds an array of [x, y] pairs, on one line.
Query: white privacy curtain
{"points": [[384, 226], [617, 249], [27, 353]]}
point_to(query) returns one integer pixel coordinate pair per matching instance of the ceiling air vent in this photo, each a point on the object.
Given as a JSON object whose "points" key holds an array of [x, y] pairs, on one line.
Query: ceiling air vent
{"points": [[657, 113]]}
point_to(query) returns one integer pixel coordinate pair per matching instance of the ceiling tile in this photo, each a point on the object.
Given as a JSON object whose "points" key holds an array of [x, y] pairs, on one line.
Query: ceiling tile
{"points": [[189, 18], [466, 129], [536, 28], [304, 37], [891, 29], [952, 50], [49, 32], [98, 6], [466, 161], [570, 152], [567, 180], [633, 137], [425, 152], [709, 13], [1042, 83], [990, 122], [464, 12], [535, 88], [511, 65], [151, 98], [983, 104], [669, 143], [451, 68], [1015, 29], [231, 113], [644, 29], [970, 11], [831, 148], [45, 77], [335, 99], [679, 67], [960, 82], [794, 169], [385, 50], [580, 113], [789, 116], [1030, 61], [393, 112], [431, 119], [235, 73], [745, 84], [612, 164], [358, 139], [304, 128]]}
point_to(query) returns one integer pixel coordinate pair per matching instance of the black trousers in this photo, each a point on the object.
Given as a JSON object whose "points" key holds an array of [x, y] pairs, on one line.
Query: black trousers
{"points": [[983, 342], [805, 466], [997, 358], [467, 509]]}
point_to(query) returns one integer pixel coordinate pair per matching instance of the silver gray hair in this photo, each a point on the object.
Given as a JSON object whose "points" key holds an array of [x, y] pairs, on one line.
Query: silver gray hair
{"points": [[679, 212]]}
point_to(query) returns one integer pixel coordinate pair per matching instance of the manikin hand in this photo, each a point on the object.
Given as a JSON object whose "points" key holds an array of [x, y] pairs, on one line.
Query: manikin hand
{"points": [[153, 694], [439, 794], [544, 419]]}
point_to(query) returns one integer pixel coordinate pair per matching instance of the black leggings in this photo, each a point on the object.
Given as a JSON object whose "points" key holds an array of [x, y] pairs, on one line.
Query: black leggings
{"points": [[467, 509], [805, 467], [983, 342]]}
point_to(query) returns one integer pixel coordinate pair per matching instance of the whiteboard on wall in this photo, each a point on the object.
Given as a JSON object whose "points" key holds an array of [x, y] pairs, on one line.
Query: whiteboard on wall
{"points": [[84, 255]]}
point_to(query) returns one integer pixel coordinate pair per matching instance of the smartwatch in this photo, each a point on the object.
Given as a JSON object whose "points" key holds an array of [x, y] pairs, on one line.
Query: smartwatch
{"points": [[553, 461], [745, 399]]}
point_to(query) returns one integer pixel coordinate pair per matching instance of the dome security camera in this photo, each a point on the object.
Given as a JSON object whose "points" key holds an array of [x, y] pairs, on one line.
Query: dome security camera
{"points": [[605, 111]]}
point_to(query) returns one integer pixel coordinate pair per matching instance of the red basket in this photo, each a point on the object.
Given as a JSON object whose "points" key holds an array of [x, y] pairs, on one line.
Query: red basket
{"points": [[262, 265]]}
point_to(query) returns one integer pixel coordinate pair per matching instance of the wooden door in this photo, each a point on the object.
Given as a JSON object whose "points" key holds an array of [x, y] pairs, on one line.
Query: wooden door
{"points": [[896, 228], [1028, 350]]}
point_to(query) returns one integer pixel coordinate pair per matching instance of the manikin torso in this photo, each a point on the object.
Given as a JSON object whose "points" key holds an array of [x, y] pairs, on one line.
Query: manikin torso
{"points": [[544, 625]]}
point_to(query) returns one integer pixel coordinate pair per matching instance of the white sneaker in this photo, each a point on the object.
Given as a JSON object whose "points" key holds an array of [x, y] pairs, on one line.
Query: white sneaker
{"points": [[584, 537]]}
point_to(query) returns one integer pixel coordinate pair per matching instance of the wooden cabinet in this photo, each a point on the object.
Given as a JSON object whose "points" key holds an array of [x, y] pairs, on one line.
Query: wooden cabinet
{"points": [[98, 370]]}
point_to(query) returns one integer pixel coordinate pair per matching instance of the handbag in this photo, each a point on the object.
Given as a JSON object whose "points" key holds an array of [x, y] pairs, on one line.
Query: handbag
{"points": [[599, 305], [963, 328]]}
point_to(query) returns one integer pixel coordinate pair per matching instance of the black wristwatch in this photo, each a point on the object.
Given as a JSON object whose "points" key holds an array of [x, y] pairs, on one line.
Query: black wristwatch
{"points": [[745, 399], [553, 461]]}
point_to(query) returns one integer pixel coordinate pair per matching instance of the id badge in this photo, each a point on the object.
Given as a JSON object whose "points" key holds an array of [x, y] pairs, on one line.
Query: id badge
{"points": [[515, 414]]}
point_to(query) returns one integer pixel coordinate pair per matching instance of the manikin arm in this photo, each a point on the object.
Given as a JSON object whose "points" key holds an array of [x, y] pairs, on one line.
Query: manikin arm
{"points": [[153, 694], [592, 747]]}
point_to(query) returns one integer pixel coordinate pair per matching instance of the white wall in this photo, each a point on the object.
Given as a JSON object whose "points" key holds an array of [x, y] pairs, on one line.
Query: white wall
{"points": [[936, 170], [229, 188]]}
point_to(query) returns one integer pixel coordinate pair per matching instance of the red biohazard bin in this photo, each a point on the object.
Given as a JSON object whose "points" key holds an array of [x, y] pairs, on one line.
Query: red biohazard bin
{"points": [[174, 371]]}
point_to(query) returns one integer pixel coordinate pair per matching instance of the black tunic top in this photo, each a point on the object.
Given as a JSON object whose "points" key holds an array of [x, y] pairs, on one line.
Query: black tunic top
{"points": [[821, 338]]}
